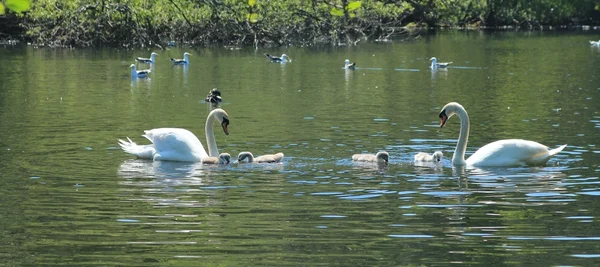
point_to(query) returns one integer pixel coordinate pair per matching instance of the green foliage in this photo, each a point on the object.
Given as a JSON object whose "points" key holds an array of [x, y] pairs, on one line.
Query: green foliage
{"points": [[15, 5], [131, 23]]}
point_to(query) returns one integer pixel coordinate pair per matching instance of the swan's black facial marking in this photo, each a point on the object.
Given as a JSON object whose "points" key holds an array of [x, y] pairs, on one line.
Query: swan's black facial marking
{"points": [[225, 124], [443, 118]]}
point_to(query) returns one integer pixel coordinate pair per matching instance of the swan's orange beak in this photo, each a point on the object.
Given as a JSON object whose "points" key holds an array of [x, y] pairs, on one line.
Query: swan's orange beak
{"points": [[225, 124], [443, 118]]}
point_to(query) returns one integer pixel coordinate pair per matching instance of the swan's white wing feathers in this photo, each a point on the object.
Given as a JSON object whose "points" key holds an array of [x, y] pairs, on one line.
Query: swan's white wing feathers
{"points": [[140, 151], [511, 152], [176, 144]]}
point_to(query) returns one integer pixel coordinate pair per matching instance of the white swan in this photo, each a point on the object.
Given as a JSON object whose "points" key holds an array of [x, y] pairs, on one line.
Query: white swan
{"points": [[349, 66], [175, 144], [435, 157], [183, 61], [595, 43], [501, 153], [138, 73], [380, 157], [224, 158], [267, 158], [435, 64], [147, 60]]}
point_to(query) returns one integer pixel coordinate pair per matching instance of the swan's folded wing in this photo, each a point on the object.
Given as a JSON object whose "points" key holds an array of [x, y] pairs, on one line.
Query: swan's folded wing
{"points": [[175, 140], [510, 152]]}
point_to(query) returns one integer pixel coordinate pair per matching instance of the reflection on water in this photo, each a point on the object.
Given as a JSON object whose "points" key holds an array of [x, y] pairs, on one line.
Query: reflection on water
{"points": [[161, 169]]}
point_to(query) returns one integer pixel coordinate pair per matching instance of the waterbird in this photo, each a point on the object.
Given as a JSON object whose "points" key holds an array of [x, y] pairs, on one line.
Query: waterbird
{"points": [[380, 157], [183, 61], [435, 64], [138, 73], [214, 96], [349, 66], [283, 59], [267, 158], [147, 60], [176, 144], [501, 153], [435, 157], [223, 158]]}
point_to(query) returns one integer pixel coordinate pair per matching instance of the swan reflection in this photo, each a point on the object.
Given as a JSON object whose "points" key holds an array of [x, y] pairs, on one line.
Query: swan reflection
{"points": [[139, 168]]}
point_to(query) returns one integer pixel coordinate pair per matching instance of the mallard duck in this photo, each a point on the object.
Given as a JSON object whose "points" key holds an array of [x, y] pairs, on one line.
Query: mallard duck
{"points": [[214, 96]]}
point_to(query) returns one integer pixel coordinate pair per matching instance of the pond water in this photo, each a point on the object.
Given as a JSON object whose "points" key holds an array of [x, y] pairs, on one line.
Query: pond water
{"points": [[70, 197]]}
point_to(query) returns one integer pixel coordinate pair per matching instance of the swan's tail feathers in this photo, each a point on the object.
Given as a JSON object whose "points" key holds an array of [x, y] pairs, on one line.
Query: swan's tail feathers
{"points": [[143, 151], [556, 150]]}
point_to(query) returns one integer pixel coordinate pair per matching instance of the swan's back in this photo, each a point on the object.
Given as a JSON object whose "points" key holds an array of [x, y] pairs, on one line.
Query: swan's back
{"points": [[176, 144], [512, 152]]}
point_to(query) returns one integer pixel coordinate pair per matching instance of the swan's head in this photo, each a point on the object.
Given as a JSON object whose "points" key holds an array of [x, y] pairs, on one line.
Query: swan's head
{"points": [[347, 62], [433, 59], [132, 66], [153, 54], [224, 158], [186, 54], [383, 156], [448, 111], [222, 117], [437, 156]]}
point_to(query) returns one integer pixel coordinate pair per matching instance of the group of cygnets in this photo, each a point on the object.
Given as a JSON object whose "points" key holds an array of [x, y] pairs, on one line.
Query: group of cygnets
{"points": [[383, 157]]}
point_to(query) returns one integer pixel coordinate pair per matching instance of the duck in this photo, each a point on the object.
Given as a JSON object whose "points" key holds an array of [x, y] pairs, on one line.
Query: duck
{"points": [[138, 73], [224, 158], [214, 96], [501, 153], [183, 61], [380, 157], [595, 43], [435, 157], [147, 60], [435, 64], [178, 144], [283, 59], [267, 158], [349, 66]]}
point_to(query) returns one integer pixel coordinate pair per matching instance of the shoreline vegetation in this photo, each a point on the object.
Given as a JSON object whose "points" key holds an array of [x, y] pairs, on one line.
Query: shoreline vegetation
{"points": [[268, 23]]}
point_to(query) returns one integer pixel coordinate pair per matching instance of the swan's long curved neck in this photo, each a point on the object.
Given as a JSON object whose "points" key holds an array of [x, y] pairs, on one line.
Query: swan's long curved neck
{"points": [[459, 153], [213, 151]]}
